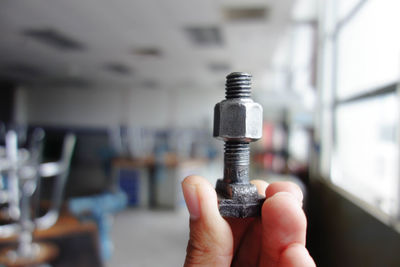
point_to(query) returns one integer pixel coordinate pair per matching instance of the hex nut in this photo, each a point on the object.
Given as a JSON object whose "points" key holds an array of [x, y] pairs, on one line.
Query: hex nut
{"points": [[238, 119]]}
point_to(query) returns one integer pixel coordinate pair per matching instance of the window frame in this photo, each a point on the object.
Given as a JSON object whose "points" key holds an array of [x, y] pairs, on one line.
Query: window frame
{"points": [[329, 102]]}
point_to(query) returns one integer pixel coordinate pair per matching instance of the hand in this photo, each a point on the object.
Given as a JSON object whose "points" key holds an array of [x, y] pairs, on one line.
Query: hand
{"points": [[277, 239]]}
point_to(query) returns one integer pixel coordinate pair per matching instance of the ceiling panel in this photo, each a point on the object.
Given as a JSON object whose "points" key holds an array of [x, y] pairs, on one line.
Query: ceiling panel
{"points": [[111, 32]]}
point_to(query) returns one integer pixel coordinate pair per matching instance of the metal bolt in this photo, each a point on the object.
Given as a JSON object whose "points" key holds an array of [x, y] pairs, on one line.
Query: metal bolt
{"points": [[238, 121]]}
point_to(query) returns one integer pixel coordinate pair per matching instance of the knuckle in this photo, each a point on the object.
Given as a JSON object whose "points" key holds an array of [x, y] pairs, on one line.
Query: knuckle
{"points": [[197, 253]]}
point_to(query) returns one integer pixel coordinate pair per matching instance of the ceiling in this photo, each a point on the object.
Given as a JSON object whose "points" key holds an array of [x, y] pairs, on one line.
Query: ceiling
{"points": [[156, 44]]}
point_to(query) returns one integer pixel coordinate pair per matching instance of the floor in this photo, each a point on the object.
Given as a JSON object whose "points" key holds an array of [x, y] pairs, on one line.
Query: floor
{"points": [[150, 238], [144, 237]]}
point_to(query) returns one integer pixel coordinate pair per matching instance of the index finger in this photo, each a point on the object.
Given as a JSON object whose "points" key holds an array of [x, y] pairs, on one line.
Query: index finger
{"points": [[284, 186], [284, 223]]}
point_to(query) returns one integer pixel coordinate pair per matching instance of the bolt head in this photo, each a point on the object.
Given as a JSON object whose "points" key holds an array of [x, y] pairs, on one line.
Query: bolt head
{"points": [[238, 120], [238, 200]]}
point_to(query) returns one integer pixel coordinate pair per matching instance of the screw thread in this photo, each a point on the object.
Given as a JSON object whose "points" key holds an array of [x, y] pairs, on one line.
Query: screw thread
{"points": [[238, 85], [236, 162], [237, 153]]}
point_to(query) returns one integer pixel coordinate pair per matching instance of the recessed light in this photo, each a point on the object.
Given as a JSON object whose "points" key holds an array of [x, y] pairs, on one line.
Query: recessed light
{"points": [[54, 38], [70, 82], [147, 51], [118, 68], [22, 69], [204, 36], [242, 14]]}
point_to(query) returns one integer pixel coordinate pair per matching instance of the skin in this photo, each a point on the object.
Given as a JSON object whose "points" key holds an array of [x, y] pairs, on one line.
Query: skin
{"points": [[277, 239]]}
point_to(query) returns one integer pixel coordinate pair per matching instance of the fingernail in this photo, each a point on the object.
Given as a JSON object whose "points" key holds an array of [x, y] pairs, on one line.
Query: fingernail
{"points": [[191, 199]]}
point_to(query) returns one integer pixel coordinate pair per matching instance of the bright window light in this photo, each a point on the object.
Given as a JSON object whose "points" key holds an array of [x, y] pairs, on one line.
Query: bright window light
{"points": [[366, 155], [369, 48], [344, 7]]}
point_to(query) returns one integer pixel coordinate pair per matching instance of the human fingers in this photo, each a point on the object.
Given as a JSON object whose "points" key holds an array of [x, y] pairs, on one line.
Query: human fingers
{"points": [[248, 250], [289, 187], [283, 223], [261, 186], [296, 255], [240, 226], [247, 234], [211, 241]]}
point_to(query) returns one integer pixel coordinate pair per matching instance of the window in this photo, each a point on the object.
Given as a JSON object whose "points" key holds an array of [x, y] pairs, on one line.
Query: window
{"points": [[366, 151], [368, 54], [359, 102]]}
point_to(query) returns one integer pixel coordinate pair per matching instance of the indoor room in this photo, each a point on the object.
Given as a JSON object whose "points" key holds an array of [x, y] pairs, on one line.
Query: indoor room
{"points": [[199, 133]]}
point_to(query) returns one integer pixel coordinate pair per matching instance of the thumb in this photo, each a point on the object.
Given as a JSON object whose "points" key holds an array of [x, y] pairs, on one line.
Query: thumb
{"points": [[211, 241]]}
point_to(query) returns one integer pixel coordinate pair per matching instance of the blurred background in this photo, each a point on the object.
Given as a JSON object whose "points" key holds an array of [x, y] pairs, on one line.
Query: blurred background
{"points": [[106, 106]]}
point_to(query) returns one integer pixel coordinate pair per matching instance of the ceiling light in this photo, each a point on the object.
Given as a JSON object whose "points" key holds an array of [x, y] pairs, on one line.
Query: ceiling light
{"points": [[64, 82], [118, 68], [54, 38], [204, 36], [147, 51], [22, 70], [240, 14]]}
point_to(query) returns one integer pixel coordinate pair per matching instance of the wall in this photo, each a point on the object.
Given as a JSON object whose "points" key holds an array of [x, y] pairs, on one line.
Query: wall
{"points": [[200, 104], [71, 107], [342, 234], [95, 110], [106, 107]]}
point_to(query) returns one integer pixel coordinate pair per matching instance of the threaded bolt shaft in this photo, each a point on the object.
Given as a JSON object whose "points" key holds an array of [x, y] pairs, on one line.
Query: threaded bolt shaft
{"points": [[238, 85], [237, 154], [236, 162]]}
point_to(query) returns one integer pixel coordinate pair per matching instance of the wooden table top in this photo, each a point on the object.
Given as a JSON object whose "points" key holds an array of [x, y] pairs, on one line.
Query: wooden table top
{"points": [[66, 224]]}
